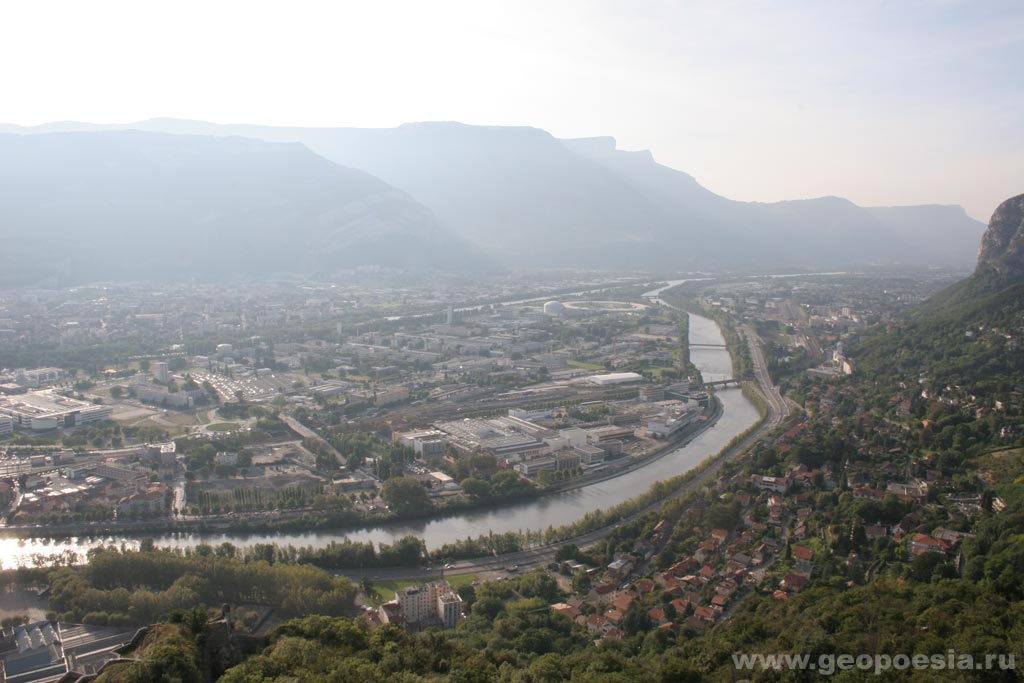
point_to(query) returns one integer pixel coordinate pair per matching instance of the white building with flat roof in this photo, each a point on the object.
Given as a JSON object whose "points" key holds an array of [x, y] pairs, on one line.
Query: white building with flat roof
{"points": [[429, 604], [667, 426], [38, 377], [615, 378], [426, 604], [42, 410]]}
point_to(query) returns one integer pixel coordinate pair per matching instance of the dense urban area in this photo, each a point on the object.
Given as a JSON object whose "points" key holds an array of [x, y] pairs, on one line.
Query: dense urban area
{"points": [[877, 474]]}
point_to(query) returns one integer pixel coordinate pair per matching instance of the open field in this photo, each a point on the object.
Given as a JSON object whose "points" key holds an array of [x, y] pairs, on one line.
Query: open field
{"points": [[582, 365], [223, 426]]}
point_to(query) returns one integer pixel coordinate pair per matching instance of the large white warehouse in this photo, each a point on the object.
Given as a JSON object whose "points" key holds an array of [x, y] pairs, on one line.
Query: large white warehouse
{"points": [[42, 410], [616, 378]]}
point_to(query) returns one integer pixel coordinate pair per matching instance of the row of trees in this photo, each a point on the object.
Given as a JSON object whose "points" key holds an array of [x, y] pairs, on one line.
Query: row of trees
{"points": [[128, 587]]}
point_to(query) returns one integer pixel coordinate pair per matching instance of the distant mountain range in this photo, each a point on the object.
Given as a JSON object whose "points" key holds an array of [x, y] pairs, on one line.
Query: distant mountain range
{"points": [[526, 198], [133, 204]]}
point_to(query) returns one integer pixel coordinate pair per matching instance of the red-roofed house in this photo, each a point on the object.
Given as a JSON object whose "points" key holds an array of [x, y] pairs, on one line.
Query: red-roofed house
{"points": [[624, 601], [657, 615], [923, 543], [802, 552], [565, 610], [793, 583], [706, 613], [596, 623]]}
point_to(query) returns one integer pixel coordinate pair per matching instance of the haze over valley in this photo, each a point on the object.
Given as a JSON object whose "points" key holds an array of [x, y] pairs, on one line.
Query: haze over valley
{"points": [[481, 341], [442, 196]]}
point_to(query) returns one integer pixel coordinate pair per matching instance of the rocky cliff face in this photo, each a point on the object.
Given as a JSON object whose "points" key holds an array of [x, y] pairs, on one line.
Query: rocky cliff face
{"points": [[1002, 246]]}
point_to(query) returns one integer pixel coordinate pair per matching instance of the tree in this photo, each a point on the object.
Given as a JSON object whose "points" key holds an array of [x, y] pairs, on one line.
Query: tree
{"points": [[405, 495], [569, 551], [581, 583], [478, 488], [923, 566]]}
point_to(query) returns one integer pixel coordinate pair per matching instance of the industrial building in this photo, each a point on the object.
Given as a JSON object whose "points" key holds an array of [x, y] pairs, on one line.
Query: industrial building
{"points": [[425, 443], [47, 651], [42, 410], [667, 426], [615, 378], [508, 438], [32, 379], [560, 461]]}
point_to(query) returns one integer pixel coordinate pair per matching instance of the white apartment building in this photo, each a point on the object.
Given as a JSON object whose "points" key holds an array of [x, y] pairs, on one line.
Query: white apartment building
{"points": [[428, 604]]}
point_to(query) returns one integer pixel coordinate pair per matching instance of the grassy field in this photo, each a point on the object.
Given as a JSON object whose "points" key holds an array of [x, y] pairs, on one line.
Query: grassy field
{"points": [[222, 427], [184, 419], [659, 371], [583, 365], [172, 431]]}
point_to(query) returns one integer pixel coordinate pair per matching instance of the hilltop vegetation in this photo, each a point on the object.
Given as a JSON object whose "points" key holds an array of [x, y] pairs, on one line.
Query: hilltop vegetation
{"points": [[138, 588]]}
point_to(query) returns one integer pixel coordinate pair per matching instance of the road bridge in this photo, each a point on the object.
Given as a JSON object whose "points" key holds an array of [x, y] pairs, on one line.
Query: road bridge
{"points": [[723, 383]]}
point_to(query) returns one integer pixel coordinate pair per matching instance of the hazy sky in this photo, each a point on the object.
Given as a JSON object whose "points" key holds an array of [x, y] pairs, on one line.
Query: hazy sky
{"points": [[882, 102]]}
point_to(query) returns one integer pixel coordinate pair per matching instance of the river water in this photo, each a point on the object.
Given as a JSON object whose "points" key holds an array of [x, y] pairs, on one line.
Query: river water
{"points": [[714, 363]]}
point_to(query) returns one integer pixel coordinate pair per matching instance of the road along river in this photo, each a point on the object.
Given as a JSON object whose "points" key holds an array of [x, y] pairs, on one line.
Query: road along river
{"points": [[738, 414]]}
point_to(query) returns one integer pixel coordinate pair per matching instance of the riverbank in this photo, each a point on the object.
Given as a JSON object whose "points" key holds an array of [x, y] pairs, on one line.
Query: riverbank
{"points": [[340, 521], [654, 456], [533, 516]]}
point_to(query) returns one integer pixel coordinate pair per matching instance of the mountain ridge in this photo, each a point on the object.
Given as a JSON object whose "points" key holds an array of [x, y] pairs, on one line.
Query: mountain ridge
{"points": [[529, 198], [134, 203], [1002, 246]]}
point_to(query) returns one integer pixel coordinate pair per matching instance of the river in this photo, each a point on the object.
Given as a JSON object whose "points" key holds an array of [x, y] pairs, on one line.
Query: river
{"points": [[714, 363]]}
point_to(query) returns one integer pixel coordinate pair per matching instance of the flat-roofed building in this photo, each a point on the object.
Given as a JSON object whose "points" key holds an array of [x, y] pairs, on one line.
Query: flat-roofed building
{"points": [[42, 410], [669, 425], [161, 395], [560, 461], [39, 377], [615, 378], [591, 455], [429, 604], [508, 438], [47, 651], [426, 443]]}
